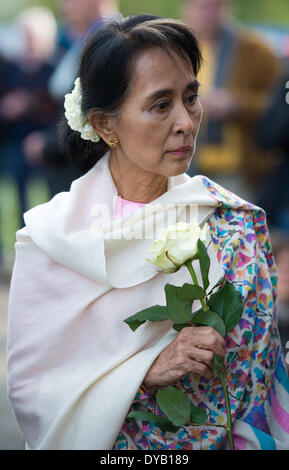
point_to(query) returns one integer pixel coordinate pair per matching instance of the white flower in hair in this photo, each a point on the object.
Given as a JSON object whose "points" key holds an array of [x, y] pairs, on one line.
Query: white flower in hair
{"points": [[74, 115]]}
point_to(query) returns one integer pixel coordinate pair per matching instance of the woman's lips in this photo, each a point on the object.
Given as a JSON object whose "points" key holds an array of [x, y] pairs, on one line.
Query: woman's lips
{"points": [[181, 151]]}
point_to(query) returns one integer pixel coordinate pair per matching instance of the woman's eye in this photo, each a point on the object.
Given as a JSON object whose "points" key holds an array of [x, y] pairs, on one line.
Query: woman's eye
{"points": [[162, 106], [192, 99]]}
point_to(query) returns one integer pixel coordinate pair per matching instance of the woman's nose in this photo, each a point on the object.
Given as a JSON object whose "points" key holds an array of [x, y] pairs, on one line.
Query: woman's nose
{"points": [[183, 121]]}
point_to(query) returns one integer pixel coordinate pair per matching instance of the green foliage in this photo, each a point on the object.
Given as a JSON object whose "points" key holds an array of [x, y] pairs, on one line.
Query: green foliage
{"points": [[153, 314], [209, 318], [204, 263], [262, 11], [257, 11], [180, 326], [191, 292], [175, 404], [218, 364], [178, 409], [180, 310], [9, 207], [9, 9], [198, 415], [220, 281], [167, 8], [163, 423], [222, 312], [227, 303]]}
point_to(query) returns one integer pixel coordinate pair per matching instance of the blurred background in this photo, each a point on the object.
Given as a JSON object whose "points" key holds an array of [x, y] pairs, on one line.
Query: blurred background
{"points": [[243, 142]]}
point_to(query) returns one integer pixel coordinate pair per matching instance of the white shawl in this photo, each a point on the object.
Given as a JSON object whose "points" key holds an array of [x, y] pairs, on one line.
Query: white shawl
{"points": [[73, 365]]}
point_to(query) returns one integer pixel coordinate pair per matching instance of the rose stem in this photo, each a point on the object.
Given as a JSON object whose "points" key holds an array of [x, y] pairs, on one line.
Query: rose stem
{"points": [[195, 281], [223, 382], [228, 409]]}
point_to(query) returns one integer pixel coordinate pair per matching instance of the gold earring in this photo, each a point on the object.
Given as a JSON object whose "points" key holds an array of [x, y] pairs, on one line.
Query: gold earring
{"points": [[113, 142]]}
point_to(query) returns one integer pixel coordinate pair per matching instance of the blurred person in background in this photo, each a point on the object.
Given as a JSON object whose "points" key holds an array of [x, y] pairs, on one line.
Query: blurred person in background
{"points": [[281, 253], [272, 134], [80, 18], [236, 78], [25, 104], [2, 135]]}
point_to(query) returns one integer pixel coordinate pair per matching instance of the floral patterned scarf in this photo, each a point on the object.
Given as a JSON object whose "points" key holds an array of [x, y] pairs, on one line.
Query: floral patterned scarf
{"points": [[257, 379]]}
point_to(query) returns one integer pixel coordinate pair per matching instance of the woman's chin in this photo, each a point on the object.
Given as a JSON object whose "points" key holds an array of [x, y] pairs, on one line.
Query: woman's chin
{"points": [[180, 165]]}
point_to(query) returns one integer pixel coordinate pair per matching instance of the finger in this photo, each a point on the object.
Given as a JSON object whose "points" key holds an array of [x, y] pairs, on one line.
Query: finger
{"points": [[201, 369], [202, 355], [208, 330], [208, 338]]}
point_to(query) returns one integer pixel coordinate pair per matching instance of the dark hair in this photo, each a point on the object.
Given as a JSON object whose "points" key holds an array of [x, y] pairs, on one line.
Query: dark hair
{"points": [[105, 71]]}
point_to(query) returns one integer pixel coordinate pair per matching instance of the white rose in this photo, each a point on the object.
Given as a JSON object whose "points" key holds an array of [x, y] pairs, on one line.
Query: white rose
{"points": [[176, 244], [88, 133], [72, 106], [74, 115]]}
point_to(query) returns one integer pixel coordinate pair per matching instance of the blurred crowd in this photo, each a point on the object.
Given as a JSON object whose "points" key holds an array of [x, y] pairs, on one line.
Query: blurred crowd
{"points": [[243, 142], [35, 73]]}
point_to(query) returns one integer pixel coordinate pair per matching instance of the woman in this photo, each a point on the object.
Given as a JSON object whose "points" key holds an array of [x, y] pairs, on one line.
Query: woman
{"points": [[75, 369]]}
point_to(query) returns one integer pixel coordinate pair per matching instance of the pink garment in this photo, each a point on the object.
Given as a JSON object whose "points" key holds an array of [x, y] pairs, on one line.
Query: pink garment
{"points": [[124, 207]]}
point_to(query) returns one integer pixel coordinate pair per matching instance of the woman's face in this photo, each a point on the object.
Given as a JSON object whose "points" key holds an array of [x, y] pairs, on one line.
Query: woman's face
{"points": [[161, 113]]}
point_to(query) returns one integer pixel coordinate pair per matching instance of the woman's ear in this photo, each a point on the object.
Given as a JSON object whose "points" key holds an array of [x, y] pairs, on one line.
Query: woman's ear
{"points": [[101, 124]]}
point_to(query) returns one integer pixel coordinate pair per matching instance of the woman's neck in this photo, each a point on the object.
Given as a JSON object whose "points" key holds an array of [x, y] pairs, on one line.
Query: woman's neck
{"points": [[135, 184]]}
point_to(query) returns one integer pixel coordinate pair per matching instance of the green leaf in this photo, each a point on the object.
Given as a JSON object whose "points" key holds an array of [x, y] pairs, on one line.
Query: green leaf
{"points": [[191, 292], [218, 363], [220, 281], [227, 302], [155, 313], [209, 318], [216, 302], [179, 310], [180, 326], [198, 415], [233, 307], [163, 423], [175, 404], [204, 263]]}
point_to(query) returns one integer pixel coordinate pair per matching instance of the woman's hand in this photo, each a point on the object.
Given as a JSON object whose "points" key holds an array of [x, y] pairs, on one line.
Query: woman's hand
{"points": [[192, 351]]}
